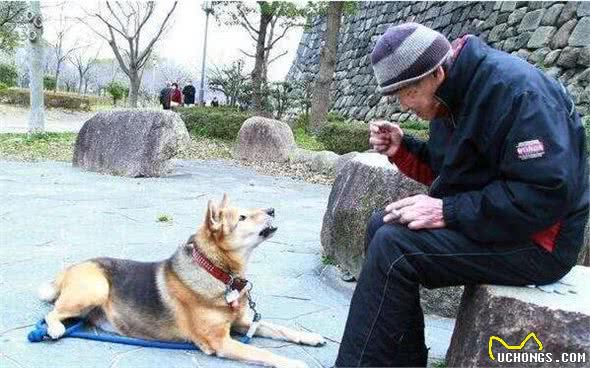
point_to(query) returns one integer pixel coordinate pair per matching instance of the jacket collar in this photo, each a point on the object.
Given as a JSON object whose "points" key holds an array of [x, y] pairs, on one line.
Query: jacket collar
{"points": [[452, 92]]}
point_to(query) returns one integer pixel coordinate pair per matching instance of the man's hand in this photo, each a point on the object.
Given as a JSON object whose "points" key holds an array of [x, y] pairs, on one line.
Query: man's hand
{"points": [[418, 212], [385, 137]]}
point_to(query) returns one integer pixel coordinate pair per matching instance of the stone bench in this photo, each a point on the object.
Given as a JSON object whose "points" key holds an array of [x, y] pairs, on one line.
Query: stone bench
{"points": [[561, 323]]}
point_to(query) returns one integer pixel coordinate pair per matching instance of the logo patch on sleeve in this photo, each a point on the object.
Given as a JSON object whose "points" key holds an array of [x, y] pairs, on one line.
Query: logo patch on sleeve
{"points": [[530, 149]]}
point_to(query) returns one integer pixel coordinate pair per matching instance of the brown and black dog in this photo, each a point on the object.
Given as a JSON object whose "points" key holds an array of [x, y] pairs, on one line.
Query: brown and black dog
{"points": [[178, 299]]}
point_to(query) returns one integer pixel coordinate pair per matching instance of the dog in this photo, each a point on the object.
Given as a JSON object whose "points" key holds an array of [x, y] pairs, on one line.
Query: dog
{"points": [[198, 294]]}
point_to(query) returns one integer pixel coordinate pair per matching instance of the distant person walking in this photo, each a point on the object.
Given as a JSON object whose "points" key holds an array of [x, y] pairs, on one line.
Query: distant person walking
{"points": [[165, 96], [175, 96], [189, 92], [214, 102]]}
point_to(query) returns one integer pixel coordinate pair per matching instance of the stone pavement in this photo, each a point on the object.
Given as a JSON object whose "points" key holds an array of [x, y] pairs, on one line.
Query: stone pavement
{"points": [[52, 215]]}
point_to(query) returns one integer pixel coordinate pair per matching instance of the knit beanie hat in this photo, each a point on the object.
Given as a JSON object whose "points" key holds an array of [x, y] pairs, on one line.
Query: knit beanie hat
{"points": [[405, 54]]}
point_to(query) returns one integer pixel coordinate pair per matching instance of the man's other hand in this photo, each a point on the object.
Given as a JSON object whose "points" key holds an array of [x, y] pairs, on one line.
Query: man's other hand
{"points": [[417, 212]]}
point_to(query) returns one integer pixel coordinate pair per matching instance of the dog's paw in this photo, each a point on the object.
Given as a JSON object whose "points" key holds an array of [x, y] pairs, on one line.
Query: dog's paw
{"points": [[313, 339], [56, 330], [290, 363]]}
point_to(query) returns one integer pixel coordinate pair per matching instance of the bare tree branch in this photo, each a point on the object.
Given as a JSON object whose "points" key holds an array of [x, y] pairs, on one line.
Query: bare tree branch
{"points": [[278, 56], [142, 58], [245, 53], [246, 21]]}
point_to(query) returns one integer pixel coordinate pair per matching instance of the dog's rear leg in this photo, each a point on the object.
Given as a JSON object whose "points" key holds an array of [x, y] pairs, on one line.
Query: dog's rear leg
{"points": [[49, 291], [232, 349], [83, 288]]}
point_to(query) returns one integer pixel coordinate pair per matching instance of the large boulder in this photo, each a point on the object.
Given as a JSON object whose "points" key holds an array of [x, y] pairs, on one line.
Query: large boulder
{"points": [[584, 255], [135, 143], [561, 323], [263, 139], [365, 183]]}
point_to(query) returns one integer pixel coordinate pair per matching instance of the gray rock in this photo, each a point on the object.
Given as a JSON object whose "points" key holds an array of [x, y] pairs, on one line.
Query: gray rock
{"points": [[568, 12], [365, 183], [517, 42], [324, 162], [523, 54], [554, 72], [551, 57], [300, 155], [516, 16], [343, 160], [538, 56], [508, 6], [584, 255], [568, 57], [512, 313], [490, 21], [135, 143], [263, 139], [444, 302], [584, 56], [562, 36], [551, 15], [584, 9], [496, 33], [581, 34], [541, 37], [531, 20]]}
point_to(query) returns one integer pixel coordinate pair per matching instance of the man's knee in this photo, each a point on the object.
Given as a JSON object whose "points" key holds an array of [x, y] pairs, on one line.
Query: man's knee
{"points": [[375, 222], [387, 244]]}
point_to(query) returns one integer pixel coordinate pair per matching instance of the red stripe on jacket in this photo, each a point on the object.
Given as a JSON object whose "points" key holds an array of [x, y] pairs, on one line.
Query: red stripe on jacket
{"points": [[412, 166], [546, 238]]}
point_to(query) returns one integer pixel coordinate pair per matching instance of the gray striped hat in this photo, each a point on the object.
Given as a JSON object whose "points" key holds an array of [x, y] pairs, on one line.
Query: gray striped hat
{"points": [[405, 54]]}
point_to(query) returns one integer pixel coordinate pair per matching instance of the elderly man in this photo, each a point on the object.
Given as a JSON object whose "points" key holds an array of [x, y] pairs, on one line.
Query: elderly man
{"points": [[507, 168]]}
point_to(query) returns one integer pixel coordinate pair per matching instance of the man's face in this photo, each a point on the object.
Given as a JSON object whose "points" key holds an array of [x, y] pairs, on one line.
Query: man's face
{"points": [[420, 96]]}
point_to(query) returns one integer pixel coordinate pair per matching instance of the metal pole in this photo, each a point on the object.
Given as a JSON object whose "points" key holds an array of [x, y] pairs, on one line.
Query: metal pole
{"points": [[37, 113], [202, 91]]}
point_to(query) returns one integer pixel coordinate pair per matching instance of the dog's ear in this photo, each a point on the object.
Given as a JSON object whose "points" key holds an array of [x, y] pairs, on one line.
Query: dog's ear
{"points": [[225, 201], [212, 218]]}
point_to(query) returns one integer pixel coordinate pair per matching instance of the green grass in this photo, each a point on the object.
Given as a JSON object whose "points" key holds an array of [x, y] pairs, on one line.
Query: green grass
{"points": [[307, 141], [164, 218], [327, 260], [41, 146], [438, 364]]}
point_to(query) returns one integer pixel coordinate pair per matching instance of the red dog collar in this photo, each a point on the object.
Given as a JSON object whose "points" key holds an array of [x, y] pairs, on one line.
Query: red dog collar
{"points": [[234, 283]]}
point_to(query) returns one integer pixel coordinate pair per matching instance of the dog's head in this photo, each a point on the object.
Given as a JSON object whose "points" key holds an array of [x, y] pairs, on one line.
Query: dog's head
{"points": [[233, 228]]}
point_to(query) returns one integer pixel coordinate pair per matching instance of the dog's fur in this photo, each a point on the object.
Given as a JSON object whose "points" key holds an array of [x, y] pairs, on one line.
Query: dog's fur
{"points": [[176, 299]]}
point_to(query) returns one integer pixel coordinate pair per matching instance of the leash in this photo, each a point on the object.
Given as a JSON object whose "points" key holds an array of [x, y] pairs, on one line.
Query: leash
{"points": [[77, 327]]}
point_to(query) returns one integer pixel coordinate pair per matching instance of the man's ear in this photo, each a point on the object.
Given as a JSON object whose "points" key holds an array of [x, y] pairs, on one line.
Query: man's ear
{"points": [[439, 74], [212, 218]]}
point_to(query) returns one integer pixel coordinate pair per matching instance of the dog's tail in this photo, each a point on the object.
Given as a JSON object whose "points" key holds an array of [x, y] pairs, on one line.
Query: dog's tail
{"points": [[50, 290]]}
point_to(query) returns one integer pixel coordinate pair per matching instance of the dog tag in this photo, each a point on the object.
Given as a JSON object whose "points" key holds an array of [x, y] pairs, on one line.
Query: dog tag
{"points": [[231, 296]]}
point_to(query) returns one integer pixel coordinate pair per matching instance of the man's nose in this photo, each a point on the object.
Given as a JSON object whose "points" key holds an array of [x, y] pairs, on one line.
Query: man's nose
{"points": [[270, 212]]}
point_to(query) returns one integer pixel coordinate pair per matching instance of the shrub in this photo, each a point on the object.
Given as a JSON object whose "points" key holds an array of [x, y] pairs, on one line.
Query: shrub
{"points": [[3, 86], [49, 83], [414, 125], [214, 122], [8, 75], [117, 91], [345, 137], [69, 101]]}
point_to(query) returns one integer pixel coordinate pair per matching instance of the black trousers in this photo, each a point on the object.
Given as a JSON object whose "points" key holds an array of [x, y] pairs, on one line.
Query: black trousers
{"points": [[385, 326]]}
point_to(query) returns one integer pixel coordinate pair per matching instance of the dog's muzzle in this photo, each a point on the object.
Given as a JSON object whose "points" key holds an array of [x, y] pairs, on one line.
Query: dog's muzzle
{"points": [[268, 231]]}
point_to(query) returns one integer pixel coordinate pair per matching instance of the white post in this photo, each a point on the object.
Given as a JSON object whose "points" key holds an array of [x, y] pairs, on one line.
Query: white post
{"points": [[35, 35]]}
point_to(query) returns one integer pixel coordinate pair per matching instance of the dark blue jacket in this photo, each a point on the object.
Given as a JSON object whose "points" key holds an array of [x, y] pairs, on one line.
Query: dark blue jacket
{"points": [[509, 159]]}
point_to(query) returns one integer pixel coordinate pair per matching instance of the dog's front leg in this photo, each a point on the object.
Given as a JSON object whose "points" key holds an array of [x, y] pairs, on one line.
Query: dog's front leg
{"points": [[232, 349], [273, 331]]}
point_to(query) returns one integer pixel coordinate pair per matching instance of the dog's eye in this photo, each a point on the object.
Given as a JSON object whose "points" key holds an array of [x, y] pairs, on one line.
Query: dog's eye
{"points": [[242, 217]]}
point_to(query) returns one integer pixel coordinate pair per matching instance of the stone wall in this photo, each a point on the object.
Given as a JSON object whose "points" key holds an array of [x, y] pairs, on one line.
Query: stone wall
{"points": [[553, 35]]}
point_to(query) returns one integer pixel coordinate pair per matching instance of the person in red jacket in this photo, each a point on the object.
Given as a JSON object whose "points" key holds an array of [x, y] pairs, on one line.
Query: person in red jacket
{"points": [[175, 96]]}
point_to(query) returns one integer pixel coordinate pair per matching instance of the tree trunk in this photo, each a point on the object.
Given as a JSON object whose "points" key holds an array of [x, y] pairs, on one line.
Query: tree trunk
{"points": [[37, 115], [134, 83], [258, 79], [321, 100], [81, 82]]}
